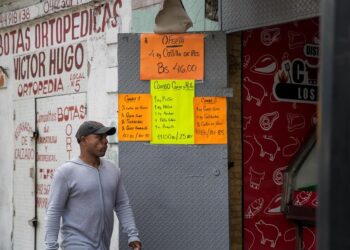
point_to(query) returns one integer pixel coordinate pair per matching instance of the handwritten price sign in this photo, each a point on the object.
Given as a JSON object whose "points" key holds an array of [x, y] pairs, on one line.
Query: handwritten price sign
{"points": [[210, 120], [172, 111], [172, 56], [134, 120]]}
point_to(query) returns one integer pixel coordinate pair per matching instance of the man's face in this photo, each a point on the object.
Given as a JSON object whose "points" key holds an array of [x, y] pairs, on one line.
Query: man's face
{"points": [[95, 145]]}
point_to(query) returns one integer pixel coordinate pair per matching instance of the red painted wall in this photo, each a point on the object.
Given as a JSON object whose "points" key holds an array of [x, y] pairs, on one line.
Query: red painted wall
{"points": [[274, 130]]}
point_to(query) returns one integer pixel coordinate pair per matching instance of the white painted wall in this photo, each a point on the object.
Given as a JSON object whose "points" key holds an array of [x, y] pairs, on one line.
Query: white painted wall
{"points": [[9, 5], [102, 86], [6, 163]]}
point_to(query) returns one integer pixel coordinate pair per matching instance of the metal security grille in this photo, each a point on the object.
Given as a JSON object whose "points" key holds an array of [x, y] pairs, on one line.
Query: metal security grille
{"points": [[242, 15], [179, 193]]}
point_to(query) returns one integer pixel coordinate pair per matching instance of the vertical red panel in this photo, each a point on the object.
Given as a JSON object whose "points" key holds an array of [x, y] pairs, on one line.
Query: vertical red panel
{"points": [[274, 130]]}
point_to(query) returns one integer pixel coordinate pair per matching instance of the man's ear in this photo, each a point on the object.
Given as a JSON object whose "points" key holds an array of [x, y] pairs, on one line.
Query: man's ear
{"points": [[82, 140]]}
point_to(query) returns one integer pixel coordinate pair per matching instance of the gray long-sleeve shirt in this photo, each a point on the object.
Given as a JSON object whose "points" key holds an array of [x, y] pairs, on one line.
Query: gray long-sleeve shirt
{"points": [[85, 198]]}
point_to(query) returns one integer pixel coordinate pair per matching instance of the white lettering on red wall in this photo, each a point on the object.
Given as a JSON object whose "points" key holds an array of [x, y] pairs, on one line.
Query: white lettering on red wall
{"points": [[274, 130]]}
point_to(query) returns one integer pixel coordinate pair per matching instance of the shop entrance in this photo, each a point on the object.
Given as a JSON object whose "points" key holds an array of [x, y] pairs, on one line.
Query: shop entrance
{"points": [[24, 217], [57, 120], [44, 139]]}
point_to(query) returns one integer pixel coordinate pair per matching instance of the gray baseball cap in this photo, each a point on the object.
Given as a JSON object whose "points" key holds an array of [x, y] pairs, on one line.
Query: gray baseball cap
{"points": [[93, 127]]}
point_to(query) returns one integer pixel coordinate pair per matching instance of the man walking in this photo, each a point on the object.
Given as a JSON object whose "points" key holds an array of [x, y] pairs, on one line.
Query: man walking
{"points": [[84, 192]]}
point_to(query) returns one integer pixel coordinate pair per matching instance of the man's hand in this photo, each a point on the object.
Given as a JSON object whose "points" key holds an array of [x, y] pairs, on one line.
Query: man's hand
{"points": [[135, 245]]}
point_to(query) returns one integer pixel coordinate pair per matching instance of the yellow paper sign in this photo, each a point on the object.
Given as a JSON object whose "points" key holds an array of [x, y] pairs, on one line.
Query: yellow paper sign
{"points": [[210, 120], [172, 56], [172, 111], [134, 119]]}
